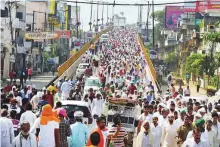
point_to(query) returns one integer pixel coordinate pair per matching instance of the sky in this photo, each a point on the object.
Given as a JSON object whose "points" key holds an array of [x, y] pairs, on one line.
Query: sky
{"points": [[130, 12]]}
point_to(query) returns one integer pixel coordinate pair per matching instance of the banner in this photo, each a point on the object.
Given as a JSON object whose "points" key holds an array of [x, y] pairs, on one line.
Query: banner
{"points": [[201, 7], [61, 11], [51, 6], [75, 18], [173, 15], [189, 7], [64, 34], [41, 35], [213, 4], [48, 35], [66, 17]]}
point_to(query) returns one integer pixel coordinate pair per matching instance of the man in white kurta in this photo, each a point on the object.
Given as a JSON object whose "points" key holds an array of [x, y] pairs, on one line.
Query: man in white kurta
{"points": [[210, 134], [169, 133], [65, 88], [97, 105], [7, 133], [195, 141], [156, 131]]}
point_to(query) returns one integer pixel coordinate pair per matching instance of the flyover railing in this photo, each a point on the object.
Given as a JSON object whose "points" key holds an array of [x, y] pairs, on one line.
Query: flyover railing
{"points": [[67, 64]]}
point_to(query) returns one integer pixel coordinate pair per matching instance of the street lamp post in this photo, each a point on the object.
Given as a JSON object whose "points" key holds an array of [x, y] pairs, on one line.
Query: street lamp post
{"points": [[77, 25]]}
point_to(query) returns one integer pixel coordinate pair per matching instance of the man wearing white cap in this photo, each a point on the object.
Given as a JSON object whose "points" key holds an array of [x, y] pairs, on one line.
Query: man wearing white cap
{"points": [[169, 132], [80, 132], [97, 105], [156, 130]]}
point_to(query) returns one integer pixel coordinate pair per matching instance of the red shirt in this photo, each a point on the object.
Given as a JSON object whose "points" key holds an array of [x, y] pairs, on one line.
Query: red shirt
{"points": [[49, 99], [132, 89], [11, 74], [7, 88], [29, 71]]}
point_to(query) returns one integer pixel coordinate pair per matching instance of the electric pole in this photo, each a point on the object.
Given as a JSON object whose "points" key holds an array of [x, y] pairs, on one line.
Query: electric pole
{"points": [[107, 14], [90, 24], [153, 22], [97, 15], [102, 12], [77, 23]]}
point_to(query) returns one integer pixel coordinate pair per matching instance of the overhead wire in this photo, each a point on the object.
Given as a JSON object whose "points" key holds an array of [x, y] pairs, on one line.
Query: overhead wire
{"points": [[135, 4]]}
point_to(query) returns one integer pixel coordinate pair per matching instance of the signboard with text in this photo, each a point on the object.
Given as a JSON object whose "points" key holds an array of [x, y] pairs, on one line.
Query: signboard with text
{"points": [[48, 35], [174, 15]]}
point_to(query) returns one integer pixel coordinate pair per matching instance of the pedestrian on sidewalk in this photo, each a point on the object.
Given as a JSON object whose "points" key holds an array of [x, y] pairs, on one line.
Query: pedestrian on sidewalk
{"points": [[198, 84], [187, 91], [53, 70], [11, 76], [30, 73]]}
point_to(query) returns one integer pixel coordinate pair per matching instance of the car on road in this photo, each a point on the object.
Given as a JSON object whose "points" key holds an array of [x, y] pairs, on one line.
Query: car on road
{"points": [[104, 38], [72, 106], [92, 82], [81, 69]]}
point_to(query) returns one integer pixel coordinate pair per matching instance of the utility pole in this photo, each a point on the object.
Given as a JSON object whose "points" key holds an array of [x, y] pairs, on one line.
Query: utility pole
{"points": [[153, 22], [102, 12], [77, 23], [90, 24], [147, 21], [107, 14], [97, 15]]}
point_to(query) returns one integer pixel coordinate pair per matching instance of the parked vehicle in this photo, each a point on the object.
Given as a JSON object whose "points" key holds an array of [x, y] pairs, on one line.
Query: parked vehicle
{"points": [[72, 106], [92, 82], [104, 38], [81, 69]]}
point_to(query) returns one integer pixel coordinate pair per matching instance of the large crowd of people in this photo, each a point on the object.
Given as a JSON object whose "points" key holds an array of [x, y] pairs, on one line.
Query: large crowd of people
{"points": [[31, 117]]}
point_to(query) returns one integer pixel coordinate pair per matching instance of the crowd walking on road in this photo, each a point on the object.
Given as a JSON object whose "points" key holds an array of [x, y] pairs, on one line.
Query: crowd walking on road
{"points": [[116, 72]]}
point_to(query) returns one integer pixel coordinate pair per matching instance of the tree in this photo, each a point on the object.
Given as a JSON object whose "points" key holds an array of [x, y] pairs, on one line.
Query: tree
{"points": [[194, 64], [159, 17], [172, 58]]}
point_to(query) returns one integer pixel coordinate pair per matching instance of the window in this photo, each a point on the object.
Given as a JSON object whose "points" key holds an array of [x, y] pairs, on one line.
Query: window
{"points": [[71, 109], [19, 15], [4, 13]]}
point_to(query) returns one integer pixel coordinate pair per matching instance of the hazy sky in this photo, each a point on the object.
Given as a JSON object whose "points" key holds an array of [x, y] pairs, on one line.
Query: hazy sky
{"points": [[130, 12]]}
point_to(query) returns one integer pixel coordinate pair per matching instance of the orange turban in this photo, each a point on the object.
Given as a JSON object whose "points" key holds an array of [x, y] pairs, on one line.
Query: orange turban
{"points": [[47, 115]]}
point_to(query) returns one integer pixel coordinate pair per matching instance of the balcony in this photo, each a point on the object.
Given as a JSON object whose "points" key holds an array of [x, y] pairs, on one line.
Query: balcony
{"points": [[16, 23], [187, 23]]}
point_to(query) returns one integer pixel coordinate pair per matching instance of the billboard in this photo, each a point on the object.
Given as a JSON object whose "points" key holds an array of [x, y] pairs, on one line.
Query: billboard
{"points": [[75, 18], [61, 11], [213, 4], [173, 15], [201, 6], [51, 6], [189, 7], [48, 35]]}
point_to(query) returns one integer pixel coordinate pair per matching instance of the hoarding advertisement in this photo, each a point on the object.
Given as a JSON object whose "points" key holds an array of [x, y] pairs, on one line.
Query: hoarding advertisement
{"points": [[48, 35], [51, 6], [189, 7], [41, 35], [201, 6], [174, 15], [213, 4]]}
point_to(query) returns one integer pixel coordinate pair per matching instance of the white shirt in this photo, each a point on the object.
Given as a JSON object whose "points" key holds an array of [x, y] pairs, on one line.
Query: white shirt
{"points": [[105, 134], [143, 117], [34, 102], [191, 143], [179, 122], [146, 141], [169, 135], [157, 133], [28, 116], [65, 87], [97, 106], [20, 141], [7, 133], [19, 99], [210, 137], [46, 135]]}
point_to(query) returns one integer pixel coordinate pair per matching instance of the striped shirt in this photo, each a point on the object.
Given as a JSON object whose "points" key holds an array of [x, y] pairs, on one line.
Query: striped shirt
{"points": [[118, 141]]}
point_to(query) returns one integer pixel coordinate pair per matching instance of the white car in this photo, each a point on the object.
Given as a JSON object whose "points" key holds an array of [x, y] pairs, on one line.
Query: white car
{"points": [[104, 38], [92, 82], [72, 106], [81, 69]]}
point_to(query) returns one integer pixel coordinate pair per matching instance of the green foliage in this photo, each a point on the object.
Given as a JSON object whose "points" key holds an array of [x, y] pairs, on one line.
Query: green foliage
{"points": [[214, 37], [172, 58], [201, 25], [159, 17], [193, 64]]}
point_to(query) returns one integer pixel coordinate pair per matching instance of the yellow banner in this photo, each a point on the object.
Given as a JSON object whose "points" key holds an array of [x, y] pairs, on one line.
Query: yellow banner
{"points": [[66, 18], [51, 6], [41, 35]]}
